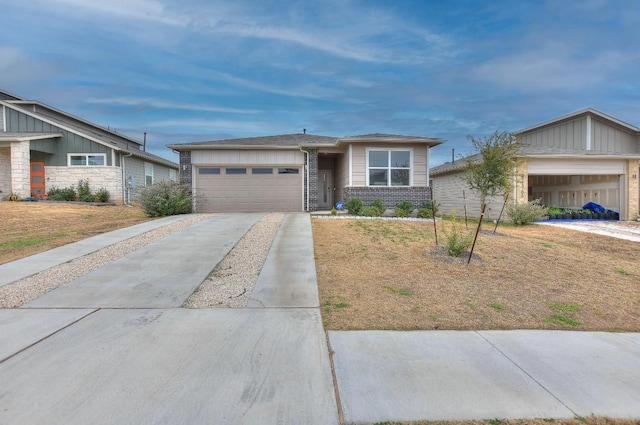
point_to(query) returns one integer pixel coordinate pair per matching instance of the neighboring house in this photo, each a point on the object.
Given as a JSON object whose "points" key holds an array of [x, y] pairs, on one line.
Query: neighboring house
{"points": [[586, 156], [304, 172], [42, 147]]}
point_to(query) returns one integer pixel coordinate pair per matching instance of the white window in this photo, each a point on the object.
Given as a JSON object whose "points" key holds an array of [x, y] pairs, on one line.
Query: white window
{"points": [[148, 174], [173, 175], [86, 159], [389, 167]]}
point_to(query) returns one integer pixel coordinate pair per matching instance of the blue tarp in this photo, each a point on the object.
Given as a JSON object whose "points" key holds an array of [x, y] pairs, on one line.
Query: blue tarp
{"points": [[592, 206]]}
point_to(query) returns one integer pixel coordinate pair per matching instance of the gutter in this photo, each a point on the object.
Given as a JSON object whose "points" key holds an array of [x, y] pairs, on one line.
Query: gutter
{"points": [[124, 182]]}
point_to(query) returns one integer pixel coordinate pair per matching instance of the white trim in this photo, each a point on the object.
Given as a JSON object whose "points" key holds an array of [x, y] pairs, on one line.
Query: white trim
{"points": [[4, 120], [588, 136], [86, 155], [350, 165], [427, 165], [389, 150], [145, 173]]}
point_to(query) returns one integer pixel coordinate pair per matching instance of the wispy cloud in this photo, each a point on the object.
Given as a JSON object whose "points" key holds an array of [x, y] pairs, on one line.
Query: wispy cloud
{"points": [[151, 103]]}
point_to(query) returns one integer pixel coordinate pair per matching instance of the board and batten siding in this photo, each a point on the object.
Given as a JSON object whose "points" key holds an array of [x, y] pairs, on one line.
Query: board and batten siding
{"points": [[569, 135], [418, 168], [609, 139], [57, 148], [448, 192], [247, 157]]}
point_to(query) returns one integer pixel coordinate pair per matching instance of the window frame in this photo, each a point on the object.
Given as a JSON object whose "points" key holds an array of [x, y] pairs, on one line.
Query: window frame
{"points": [[389, 167], [146, 175], [86, 159]]}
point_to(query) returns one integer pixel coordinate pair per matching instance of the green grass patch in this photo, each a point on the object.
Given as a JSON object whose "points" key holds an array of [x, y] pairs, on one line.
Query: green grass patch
{"points": [[497, 307], [23, 242], [565, 308], [561, 320], [563, 314], [333, 303], [548, 245], [404, 292], [623, 272]]}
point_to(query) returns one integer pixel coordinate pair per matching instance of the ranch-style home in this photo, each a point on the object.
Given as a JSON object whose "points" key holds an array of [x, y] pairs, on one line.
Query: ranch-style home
{"points": [[582, 157], [42, 147], [305, 172]]}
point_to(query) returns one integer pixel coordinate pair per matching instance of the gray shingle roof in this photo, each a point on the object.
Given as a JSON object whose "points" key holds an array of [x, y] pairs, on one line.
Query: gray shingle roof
{"points": [[284, 140]]}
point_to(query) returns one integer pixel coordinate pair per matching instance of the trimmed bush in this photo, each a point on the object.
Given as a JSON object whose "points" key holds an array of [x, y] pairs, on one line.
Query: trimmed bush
{"points": [[403, 209], [165, 198], [428, 209], [370, 211], [457, 239], [84, 192], [102, 195], [379, 205], [354, 205], [521, 214], [425, 213], [65, 194]]}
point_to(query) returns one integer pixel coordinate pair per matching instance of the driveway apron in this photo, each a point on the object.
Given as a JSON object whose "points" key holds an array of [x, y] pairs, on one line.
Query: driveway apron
{"points": [[161, 274], [136, 363]]}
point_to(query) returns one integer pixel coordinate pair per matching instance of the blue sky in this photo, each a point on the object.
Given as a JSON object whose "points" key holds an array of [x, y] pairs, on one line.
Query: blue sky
{"points": [[195, 70]]}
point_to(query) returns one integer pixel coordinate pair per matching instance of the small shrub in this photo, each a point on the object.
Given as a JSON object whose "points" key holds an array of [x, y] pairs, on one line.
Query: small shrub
{"points": [[403, 209], [64, 194], [526, 213], [370, 211], [334, 211], [457, 239], [428, 209], [102, 195], [84, 192], [165, 198], [379, 205], [354, 205]]}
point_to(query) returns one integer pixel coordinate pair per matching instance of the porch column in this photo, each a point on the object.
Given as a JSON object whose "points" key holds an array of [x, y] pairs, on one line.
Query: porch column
{"points": [[521, 183], [633, 190], [20, 169]]}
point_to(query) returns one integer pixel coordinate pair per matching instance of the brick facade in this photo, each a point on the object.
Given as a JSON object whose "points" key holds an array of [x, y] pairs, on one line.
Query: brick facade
{"points": [[186, 170], [313, 180], [391, 196]]}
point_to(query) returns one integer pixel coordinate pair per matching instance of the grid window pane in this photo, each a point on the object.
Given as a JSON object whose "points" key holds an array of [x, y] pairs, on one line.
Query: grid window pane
{"points": [[208, 170], [400, 159], [377, 177], [236, 171], [262, 171], [288, 170], [378, 158], [399, 177], [96, 160]]}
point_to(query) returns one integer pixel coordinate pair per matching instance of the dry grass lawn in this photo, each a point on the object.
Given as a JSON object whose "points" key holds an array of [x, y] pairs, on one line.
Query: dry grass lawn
{"points": [[390, 275], [27, 228]]}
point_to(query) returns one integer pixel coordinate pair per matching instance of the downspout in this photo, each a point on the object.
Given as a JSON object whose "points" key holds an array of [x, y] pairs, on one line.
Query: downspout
{"points": [[306, 154], [125, 201]]}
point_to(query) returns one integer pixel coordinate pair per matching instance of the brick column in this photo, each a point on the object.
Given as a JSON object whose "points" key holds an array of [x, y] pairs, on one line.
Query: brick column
{"points": [[633, 188], [20, 169], [186, 174], [313, 179]]}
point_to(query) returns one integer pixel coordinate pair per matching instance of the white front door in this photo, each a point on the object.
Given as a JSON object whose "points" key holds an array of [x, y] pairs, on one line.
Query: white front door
{"points": [[325, 189]]}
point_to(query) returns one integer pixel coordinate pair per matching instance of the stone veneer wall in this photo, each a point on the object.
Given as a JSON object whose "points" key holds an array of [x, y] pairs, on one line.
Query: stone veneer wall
{"points": [[109, 178], [5, 172], [20, 169], [391, 196], [633, 189]]}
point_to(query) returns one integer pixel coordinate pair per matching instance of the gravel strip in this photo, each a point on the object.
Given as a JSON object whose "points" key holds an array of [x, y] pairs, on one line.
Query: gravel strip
{"points": [[231, 282], [27, 289]]}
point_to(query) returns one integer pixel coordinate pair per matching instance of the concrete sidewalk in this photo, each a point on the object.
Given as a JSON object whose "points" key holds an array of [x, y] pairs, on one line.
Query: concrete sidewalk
{"points": [[271, 364]]}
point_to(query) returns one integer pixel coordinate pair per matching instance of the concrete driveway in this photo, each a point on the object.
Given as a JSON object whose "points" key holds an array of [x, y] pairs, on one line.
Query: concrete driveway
{"points": [[628, 230], [114, 347]]}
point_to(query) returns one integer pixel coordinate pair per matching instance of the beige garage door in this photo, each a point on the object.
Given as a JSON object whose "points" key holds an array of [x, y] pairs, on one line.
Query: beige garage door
{"points": [[248, 189]]}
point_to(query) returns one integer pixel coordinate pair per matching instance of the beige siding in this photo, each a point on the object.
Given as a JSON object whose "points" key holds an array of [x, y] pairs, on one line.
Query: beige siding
{"points": [[358, 165], [420, 166], [341, 176], [448, 191], [609, 139], [576, 166], [248, 157]]}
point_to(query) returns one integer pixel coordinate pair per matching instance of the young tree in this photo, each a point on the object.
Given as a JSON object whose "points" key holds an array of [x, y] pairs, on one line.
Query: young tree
{"points": [[490, 172]]}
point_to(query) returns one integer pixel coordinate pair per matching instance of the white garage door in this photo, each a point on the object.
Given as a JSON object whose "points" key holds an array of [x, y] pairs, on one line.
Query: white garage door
{"points": [[248, 189]]}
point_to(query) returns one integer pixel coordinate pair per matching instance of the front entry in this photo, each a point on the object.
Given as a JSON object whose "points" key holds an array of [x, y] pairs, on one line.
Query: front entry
{"points": [[325, 189], [37, 180]]}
